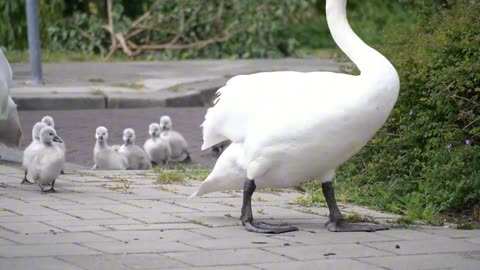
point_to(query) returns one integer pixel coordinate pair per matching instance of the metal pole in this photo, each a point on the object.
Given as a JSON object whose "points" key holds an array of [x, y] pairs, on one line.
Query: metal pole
{"points": [[34, 41]]}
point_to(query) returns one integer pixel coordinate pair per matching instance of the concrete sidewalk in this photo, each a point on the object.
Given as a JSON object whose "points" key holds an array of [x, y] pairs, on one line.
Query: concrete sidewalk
{"points": [[140, 84], [129, 220]]}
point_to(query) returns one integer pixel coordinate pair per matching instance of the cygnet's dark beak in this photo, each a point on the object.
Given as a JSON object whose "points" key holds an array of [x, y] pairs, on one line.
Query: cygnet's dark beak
{"points": [[57, 139]]}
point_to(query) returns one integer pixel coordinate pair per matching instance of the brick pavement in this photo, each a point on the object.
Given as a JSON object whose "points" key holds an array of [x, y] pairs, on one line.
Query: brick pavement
{"points": [[96, 221]]}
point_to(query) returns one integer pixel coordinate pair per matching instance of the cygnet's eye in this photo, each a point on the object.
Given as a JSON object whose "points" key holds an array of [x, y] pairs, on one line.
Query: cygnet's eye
{"points": [[51, 134]]}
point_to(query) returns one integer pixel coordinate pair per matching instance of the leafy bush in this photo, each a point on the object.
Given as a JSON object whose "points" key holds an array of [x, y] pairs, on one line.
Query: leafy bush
{"points": [[426, 159]]}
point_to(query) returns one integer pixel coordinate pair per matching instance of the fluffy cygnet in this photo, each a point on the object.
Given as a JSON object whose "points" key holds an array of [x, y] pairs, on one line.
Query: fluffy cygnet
{"points": [[137, 158], [48, 161], [33, 147], [157, 149], [177, 142], [104, 156], [49, 121]]}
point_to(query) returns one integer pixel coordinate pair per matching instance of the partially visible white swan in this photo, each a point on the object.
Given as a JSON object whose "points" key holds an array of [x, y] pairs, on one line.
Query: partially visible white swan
{"points": [[49, 121], [31, 149], [10, 130], [48, 161], [137, 158], [291, 127], [157, 149], [104, 156], [177, 142]]}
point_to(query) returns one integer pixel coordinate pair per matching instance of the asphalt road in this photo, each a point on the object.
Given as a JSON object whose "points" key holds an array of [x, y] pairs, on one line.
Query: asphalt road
{"points": [[77, 128]]}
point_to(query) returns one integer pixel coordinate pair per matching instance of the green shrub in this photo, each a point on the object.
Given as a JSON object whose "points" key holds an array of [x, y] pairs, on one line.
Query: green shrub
{"points": [[426, 159]]}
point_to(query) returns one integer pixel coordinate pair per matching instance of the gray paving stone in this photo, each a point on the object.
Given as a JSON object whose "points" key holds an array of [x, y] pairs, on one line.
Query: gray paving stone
{"points": [[230, 232], [207, 207], [226, 257], [425, 246], [474, 240], [59, 216], [29, 227], [230, 267], [50, 238], [89, 222], [87, 228], [332, 251], [255, 241], [150, 235], [408, 234], [158, 226], [44, 250], [5, 242], [434, 261], [154, 246], [326, 237], [123, 261], [91, 214], [452, 233], [155, 216], [39, 263], [337, 264], [213, 219]]}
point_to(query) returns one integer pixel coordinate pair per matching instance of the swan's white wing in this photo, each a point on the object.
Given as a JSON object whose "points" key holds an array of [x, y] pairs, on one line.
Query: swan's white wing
{"points": [[245, 96]]}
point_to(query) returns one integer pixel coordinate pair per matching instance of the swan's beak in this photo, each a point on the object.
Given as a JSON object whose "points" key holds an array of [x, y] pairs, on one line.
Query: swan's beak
{"points": [[57, 139]]}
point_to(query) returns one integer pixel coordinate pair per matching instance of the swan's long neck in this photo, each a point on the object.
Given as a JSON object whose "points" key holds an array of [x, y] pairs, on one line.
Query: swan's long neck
{"points": [[368, 60]]}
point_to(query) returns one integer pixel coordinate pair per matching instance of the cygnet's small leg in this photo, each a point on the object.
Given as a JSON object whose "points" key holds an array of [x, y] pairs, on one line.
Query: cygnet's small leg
{"points": [[247, 216], [154, 164], [25, 180], [62, 172], [336, 222]]}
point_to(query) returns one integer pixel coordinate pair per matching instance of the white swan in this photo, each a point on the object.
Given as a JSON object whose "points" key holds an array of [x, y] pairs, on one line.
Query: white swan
{"points": [[104, 156], [157, 149], [48, 161], [137, 158], [177, 142], [10, 130], [31, 149], [49, 121], [290, 127]]}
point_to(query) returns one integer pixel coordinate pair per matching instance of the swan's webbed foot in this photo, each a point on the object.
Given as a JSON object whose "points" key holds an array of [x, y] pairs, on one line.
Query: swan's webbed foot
{"points": [[247, 216], [342, 226], [25, 180], [336, 222], [262, 227], [50, 190]]}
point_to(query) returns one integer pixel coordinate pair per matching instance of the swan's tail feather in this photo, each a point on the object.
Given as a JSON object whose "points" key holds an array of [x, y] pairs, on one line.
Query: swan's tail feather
{"points": [[210, 137]]}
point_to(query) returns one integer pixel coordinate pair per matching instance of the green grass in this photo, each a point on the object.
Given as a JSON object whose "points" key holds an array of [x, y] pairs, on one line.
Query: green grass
{"points": [[179, 173], [135, 86]]}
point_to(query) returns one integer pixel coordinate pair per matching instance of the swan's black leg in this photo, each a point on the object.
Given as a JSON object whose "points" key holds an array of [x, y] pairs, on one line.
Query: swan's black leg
{"points": [[336, 222], [188, 159], [247, 216], [52, 189], [25, 180]]}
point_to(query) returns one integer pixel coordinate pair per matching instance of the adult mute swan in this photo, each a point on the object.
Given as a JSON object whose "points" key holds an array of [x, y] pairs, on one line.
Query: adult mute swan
{"points": [[10, 130], [289, 127]]}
